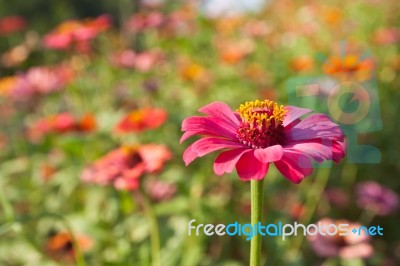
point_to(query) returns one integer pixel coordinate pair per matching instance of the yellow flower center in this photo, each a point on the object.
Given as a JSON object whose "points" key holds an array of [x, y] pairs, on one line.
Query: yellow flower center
{"points": [[261, 124], [258, 113]]}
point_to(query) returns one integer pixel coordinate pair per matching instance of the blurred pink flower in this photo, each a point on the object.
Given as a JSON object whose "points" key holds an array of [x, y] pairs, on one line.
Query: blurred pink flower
{"points": [[125, 59], [160, 191], [256, 28], [143, 61], [11, 24], [76, 32], [41, 80], [337, 197], [262, 132], [387, 36], [346, 246], [143, 21], [377, 198], [124, 166]]}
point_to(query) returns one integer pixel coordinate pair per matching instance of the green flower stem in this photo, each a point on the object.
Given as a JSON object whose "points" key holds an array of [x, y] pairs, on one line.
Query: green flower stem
{"points": [[154, 231], [256, 216]]}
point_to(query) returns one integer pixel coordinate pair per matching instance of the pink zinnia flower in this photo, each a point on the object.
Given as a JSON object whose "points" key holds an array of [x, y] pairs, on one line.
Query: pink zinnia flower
{"points": [[260, 133]]}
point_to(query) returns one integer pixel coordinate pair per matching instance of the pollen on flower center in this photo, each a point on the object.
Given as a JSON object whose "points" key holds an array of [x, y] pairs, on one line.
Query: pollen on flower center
{"points": [[261, 124]]}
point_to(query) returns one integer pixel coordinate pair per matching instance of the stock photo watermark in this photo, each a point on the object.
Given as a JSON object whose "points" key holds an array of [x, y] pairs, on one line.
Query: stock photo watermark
{"points": [[348, 93], [282, 230]]}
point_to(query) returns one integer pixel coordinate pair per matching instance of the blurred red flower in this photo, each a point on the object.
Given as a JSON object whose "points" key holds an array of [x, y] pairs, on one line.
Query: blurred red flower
{"points": [[11, 24], [60, 124], [141, 120], [124, 166]]}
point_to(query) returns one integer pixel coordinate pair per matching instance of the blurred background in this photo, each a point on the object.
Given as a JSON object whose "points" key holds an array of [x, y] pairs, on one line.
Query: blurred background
{"points": [[92, 96]]}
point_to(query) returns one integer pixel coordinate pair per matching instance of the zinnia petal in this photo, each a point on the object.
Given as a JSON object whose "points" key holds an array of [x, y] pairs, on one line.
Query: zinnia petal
{"points": [[227, 160], [196, 125], [319, 149], [294, 166], [313, 127], [294, 113], [222, 111], [269, 154], [207, 145], [338, 150], [189, 155], [249, 167]]}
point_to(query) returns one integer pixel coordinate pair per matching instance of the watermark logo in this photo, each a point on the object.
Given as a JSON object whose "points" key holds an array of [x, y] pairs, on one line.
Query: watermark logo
{"points": [[348, 94], [281, 230]]}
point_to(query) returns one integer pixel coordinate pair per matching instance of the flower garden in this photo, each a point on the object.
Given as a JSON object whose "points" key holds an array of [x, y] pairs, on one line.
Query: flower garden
{"points": [[121, 123]]}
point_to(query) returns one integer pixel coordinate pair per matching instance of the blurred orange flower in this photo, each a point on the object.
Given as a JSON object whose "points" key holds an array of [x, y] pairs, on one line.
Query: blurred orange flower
{"points": [[350, 66], [234, 52], [302, 63], [7, 84], [228, 25], [124, 166], [332, 15], [60, 246], [15, 55], [141, 120], [193, 72]]}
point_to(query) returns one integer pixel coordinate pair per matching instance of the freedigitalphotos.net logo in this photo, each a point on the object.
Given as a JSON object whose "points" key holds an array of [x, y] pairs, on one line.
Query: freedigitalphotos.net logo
{"points": [[348, 93], [281, 230]]}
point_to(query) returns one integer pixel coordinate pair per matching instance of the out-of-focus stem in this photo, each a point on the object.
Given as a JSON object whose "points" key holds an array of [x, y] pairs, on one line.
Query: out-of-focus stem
{"points": [[154, 231], [313, 197]]}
